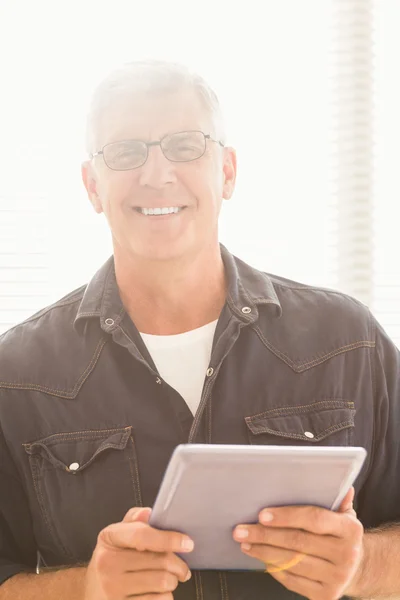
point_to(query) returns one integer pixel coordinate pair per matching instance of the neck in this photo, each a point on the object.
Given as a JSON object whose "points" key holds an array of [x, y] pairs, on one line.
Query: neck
{"points": [[171, 297]]}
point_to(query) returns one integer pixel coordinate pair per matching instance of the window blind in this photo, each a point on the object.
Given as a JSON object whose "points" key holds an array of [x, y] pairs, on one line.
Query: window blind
{"points": [[386, 297], [352, 45]]}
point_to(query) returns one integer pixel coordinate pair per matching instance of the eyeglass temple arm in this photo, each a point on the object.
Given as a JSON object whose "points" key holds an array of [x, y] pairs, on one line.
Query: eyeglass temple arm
{"points": [[96, 154], [208, 137]]}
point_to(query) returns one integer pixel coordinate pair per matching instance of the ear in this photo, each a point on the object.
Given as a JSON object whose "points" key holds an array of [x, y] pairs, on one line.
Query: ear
{"points": [[90, 182], [229, 169]]}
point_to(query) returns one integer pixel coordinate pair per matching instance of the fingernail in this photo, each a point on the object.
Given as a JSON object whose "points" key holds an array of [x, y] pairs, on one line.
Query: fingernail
{"points": [[188, 576], [266, 517], [246, 547], [187, 544], [241, 533]]}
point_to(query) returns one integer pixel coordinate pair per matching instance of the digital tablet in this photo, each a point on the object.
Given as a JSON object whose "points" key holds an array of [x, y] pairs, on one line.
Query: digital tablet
{"points": [[209, 489]]}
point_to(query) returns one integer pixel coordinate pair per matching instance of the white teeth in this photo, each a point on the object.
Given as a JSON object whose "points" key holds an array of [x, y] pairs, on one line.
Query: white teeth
{"points": [[160, 211]]}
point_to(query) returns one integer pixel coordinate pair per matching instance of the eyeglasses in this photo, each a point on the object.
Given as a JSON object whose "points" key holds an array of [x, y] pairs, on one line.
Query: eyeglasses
{"points": [[183, 146]]}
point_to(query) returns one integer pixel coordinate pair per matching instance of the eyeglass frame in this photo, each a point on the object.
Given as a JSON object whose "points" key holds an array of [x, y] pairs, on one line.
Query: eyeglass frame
{"points": [[207, 136]]}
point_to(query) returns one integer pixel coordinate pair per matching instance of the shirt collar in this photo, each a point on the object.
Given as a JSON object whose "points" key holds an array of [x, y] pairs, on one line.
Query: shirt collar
{"points": [[248, 288]]}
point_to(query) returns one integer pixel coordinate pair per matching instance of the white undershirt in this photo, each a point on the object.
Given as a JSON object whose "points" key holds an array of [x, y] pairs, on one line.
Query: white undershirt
{"points": [[183, 359]]}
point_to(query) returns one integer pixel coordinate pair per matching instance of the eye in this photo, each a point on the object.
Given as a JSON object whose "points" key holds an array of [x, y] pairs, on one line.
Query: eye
{"points": [[128, 153], [125, 153], [186, 148]]}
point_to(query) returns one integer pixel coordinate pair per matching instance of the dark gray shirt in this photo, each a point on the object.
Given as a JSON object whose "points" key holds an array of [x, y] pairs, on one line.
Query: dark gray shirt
{"points": [[88, 425]]}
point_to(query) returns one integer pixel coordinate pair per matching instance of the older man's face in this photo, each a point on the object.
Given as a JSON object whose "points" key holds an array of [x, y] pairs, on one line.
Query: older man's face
{"points": [[196, 188]]}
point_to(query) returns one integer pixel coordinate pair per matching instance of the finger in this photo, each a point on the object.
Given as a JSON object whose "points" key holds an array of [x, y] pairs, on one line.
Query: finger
{"points": [[140, 536], [141, 514], [132, 560], [314, 519], [347, 502], [300, 585], [167, 596], [280, 559], [147, 582], [294, 540], [332, 549]]}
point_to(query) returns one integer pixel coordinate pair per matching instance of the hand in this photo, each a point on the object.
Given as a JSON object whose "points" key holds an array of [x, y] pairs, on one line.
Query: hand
{"points": [[310, 550], [133, 559]]}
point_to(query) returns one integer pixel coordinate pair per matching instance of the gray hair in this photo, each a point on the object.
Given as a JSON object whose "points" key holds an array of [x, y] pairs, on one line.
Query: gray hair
{"points": [[150, 77]]}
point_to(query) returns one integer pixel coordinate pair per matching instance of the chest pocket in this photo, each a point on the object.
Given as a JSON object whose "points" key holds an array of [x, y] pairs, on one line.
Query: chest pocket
{"points": [[82, 481], [325, 423]]}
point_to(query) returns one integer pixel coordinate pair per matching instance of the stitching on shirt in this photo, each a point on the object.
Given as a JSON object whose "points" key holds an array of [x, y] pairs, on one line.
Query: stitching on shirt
{"points": [[238, 312], [42, 313], [98, 451], [42, 506], [105, 291], [244, 292], [40, 496], [359, 344], [235, 309], [299, 436], [89, 314], [38, 488], [74, 435], [265, 300], [310, 288], [224, 577], [199, 587], [119, 315], [341, 350], [303, 366], [372, 364], [288, 410], [61, 393], [203, 403], [209, 410], [223, 585], [135, 476], [126, 335]]}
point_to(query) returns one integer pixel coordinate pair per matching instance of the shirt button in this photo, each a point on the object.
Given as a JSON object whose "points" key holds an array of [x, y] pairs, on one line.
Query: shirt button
{"points": [[246, 310], [73, 466], [308, 434], [109, 321], [158, 380], [210, 371]]}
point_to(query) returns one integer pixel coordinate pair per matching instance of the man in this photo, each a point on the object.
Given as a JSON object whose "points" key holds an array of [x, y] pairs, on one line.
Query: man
{"points": [[175, 340]]}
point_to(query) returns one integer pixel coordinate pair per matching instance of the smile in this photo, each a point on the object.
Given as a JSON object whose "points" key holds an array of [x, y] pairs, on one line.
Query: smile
{"points": [[159, 211]]}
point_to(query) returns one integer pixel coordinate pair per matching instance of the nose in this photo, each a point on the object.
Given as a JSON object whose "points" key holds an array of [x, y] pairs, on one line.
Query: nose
{"points": [[157, 171]]}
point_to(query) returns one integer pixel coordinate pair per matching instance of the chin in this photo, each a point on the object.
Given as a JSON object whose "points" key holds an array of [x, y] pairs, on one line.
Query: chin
{"points": [[160, 253]]}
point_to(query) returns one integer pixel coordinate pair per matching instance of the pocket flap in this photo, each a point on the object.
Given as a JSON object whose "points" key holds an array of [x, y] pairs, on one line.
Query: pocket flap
{"points": [[73, 452], [311, 423]]}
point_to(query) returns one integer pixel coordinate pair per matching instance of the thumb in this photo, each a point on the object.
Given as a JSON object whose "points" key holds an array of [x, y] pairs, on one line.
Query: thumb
{"points": [[347, 502], [138, 514]]}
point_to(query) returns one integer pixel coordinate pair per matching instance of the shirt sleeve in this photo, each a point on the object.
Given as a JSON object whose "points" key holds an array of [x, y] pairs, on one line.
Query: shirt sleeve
{"points": [[17, 543], [379, 499]]}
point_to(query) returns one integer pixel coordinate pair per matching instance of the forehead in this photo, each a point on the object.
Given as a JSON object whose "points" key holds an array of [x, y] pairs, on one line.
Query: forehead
{"points": [[150, 117]]}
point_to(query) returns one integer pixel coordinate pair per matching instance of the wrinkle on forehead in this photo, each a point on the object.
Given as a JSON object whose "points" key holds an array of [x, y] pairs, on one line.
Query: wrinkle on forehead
{"points": [[149, 118]]}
